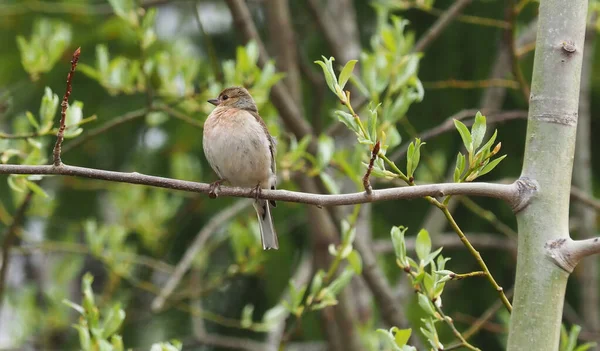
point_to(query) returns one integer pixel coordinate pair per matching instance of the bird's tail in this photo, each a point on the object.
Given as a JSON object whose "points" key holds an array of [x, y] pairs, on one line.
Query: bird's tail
{"points": [[265, 222]]}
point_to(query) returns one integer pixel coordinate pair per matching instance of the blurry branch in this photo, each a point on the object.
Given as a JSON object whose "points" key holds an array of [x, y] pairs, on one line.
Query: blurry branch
{"points": [[280, 96], [516, 194], [23, 7], [341, 48], [511, 16], [476, 20], [285, 49], [376, 280], [58, 247], [184, 264], [301, 278], [8, 238], [471, 84], [178, 115], [582, 178], [63, 111], [228, 342], [448, 125], [567, 252], [488, 216], [115, 122], [485, 317], [438, 27], [451, 241]]}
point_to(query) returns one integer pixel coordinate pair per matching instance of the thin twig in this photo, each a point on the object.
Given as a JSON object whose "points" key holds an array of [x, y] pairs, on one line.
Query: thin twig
{"points": [[117, 121], [511, 193], [455, 331], [9, 236], [184, 264], [366, 182], [438, 27], [475, 254], [64, 105], [461, 276], [471, 84]]}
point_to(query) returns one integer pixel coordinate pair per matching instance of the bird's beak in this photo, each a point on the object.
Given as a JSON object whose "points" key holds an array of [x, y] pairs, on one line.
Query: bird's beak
{"points": [[214, 101]]}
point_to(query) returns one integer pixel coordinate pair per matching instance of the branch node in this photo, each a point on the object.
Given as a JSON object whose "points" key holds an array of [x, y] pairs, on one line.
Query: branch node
{"points": [[558, 250], [568, 47], [526, 190]]}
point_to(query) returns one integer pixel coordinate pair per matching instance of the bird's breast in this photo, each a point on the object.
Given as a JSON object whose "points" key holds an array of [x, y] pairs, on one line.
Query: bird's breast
{"points": [[237, 148]]}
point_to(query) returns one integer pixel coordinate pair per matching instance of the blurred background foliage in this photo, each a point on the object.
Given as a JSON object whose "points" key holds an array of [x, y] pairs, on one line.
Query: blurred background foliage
{"points": [[138, 104]]}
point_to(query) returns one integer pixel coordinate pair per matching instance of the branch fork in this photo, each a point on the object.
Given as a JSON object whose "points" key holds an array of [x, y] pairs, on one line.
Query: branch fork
{"points": [[567, 253]]}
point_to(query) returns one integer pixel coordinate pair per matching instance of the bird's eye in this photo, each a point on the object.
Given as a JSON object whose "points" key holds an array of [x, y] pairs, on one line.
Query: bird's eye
{"points": [[225, 97]]}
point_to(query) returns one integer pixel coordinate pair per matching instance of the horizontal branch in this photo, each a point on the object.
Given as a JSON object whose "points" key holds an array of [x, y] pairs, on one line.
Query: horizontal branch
{"points": [[511, 193], [567, 252]]}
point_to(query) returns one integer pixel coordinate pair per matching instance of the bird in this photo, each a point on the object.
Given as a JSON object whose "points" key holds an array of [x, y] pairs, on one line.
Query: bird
{"points": [[240, 149]]}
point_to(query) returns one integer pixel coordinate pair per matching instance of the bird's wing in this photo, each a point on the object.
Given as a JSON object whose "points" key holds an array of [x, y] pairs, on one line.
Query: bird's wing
{"points": [[272, 141]]}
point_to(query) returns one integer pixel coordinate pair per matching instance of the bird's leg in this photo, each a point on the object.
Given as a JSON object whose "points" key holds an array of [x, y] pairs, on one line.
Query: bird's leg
{"points": [[214, 189], [256, 191]]}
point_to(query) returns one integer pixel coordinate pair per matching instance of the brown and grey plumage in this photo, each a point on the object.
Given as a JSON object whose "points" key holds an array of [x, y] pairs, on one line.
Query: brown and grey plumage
{"points": [[239, 148]]}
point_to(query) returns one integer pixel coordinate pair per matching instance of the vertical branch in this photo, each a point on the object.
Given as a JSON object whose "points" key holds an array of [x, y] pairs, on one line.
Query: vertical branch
{"points": [[548, 160], [63, 112], [284, 45], [582, 179]]}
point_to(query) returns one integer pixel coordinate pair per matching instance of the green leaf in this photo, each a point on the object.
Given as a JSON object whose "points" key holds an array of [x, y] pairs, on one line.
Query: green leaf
{"points": [[423, 244], [355, 262], [341, 281], [274, 315], [36, 188], [125, 9], [346, 73], [478, 130], [116, 341], [113, 321], [486, 147], [460, 167], [246, 320], [74, 306], [84, 338], [32, 120], [388, 340], [401, 335], [426, 305], [491, 165], [465, 135], [329, 74], [372, 123], [348, 120], [398, 242]]}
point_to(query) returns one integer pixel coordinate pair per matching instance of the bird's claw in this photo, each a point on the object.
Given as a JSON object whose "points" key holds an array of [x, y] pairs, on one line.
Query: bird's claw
{"points": [[214, 189], [256, 191]]}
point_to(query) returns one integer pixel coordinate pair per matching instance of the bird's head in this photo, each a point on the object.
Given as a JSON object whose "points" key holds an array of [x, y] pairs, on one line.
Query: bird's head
{"points": [[236, 97]]}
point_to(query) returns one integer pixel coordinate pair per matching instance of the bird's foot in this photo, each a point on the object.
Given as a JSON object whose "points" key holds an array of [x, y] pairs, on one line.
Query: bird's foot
{"points": [[214, 189], [256, 191]]}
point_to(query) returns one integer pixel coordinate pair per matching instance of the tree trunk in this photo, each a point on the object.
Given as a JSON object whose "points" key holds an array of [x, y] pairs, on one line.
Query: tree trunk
{"points": [[548, 161]]}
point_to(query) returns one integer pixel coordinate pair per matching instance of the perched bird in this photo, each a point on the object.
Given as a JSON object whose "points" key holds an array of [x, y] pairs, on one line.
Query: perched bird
{"points": [[241, 151]]}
